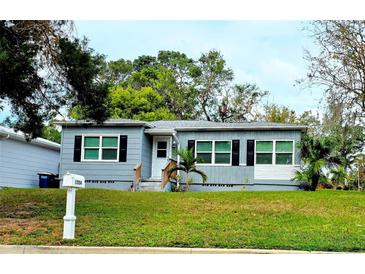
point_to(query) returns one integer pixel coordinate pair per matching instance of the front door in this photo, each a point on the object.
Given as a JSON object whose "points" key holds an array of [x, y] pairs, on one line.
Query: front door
{"points": [[160, 154]]}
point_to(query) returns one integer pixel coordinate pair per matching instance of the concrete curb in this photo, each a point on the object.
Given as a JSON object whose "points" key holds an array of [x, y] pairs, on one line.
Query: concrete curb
{"points": [[31, 249]]}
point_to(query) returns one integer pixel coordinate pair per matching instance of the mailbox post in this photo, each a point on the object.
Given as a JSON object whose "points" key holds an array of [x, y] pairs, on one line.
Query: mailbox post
{"points": [[72, 182]]}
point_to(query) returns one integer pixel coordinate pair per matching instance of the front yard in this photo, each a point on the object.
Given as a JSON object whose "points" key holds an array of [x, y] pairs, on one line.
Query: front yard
{"points": [[324, 220]]}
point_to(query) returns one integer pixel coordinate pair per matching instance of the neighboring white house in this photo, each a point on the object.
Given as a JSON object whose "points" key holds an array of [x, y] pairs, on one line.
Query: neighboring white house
{"points": [[20, 161]]}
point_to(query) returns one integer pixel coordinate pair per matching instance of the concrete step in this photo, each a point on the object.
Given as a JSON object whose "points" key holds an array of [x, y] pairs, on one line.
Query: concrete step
{"points": [[150, 186], [152, 180]]}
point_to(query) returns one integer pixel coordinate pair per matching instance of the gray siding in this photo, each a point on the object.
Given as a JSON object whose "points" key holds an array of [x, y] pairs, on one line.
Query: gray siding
{"points": [[20, 162], [117, 175], [241, 176], [243, 136], [225, 174], [146, 156]]}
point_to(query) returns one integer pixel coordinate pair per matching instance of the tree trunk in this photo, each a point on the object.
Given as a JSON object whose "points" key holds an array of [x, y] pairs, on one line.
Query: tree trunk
{"points": [[188, 182], [315, 181]]}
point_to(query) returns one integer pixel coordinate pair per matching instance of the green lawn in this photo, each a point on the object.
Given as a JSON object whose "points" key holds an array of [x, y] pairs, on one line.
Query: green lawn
{"points": [[324, 220]]}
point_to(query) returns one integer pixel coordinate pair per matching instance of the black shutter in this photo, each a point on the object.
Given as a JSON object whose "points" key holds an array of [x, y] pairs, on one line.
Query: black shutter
{"points": [[250, 152], [77, 148], [123, 148], [235, 152], [191, 145]]}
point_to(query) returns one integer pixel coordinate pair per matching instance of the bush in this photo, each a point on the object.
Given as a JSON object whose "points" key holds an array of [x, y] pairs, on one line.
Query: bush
{"points": [[175, 188], [325, 186], [305, 186]]}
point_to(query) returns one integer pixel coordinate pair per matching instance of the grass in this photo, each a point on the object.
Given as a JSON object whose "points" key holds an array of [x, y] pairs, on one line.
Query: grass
{"points": [[323, 220]]}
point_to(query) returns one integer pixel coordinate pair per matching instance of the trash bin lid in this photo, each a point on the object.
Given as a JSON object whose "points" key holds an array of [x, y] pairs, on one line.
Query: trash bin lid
{"points": [[45, 173]]}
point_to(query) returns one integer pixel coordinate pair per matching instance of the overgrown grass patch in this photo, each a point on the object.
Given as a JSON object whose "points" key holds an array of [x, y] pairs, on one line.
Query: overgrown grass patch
{"points": [[323, 220]]}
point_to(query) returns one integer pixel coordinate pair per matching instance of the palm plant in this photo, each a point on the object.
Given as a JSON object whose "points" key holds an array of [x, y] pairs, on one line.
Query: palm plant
{"points": [[317, 154], [339, 175], [360, 169], [187, 165]]}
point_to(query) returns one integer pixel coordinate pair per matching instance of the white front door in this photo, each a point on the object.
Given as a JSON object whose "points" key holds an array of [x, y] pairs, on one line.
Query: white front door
{"points": [[160, 154]]}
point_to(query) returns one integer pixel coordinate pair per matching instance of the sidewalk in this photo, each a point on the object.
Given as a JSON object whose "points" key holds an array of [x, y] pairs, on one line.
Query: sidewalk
{"points": [[30, 249]]}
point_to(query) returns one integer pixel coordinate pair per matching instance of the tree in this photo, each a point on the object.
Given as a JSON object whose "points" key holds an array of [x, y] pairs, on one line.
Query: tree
{"points": [[38, 75], [311, 120], [273, 113], [340, 64], [338, 175], [188, 166], [349, 137], [82, 68], [117, 72], [144, 104], [50, 132], [358, 172], [317, 154], [239, 103], [175, 82], [190, 89], [278, 114], [212, 79], [144, 61]]}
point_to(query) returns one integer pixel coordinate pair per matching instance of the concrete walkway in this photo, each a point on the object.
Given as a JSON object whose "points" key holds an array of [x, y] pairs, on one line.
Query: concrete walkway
{"points": [[30, 249]]}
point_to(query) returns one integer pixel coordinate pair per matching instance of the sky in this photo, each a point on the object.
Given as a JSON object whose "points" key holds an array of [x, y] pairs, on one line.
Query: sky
{"points": [[268, 53]]}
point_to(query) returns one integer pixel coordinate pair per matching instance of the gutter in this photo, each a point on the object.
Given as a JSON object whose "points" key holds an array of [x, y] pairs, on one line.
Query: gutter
{"points": [[301, 128], [106, 123], [160, 131], [4, 134]]}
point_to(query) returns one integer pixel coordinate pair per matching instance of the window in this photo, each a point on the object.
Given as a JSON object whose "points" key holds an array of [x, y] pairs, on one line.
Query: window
{"points": [[161, 149], [100, 148], [264, 151], [204, 152], [283, 154], [221, 149]]}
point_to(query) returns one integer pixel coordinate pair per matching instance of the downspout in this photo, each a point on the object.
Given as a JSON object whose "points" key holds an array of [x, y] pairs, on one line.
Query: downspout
{"points": [[178, 147]]}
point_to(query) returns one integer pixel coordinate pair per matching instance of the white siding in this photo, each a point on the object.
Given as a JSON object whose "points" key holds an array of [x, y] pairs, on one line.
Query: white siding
{"points": [[274, 172], [20, 162]]}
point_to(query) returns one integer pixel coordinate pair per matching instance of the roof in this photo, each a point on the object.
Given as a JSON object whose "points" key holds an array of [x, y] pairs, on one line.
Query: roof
{"points": [[189, 125], [109, 122], [19, 136]]}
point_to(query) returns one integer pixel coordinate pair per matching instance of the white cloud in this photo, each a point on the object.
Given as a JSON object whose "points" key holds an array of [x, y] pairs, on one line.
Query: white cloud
{"points": [[280, 71], [242, 76]]}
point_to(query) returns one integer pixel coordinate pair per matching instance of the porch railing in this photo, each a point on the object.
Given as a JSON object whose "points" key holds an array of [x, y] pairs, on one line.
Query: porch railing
{"points": [[137, 176], [165, 176]]}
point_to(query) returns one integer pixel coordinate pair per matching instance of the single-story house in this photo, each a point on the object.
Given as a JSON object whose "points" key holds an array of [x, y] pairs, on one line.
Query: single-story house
{"points": [[20, 160], [121, 153]]}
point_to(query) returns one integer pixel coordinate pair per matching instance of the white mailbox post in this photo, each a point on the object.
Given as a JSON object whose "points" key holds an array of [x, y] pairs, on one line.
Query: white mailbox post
{"points": [[72, 182]]}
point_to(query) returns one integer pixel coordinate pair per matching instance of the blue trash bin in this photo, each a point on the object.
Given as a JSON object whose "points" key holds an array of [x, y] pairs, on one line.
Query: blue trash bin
{"points": [[46, 179]]}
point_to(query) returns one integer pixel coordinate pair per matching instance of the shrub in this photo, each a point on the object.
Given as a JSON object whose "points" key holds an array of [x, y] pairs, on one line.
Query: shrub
{"points": [[325, 186], [305, 186]]}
